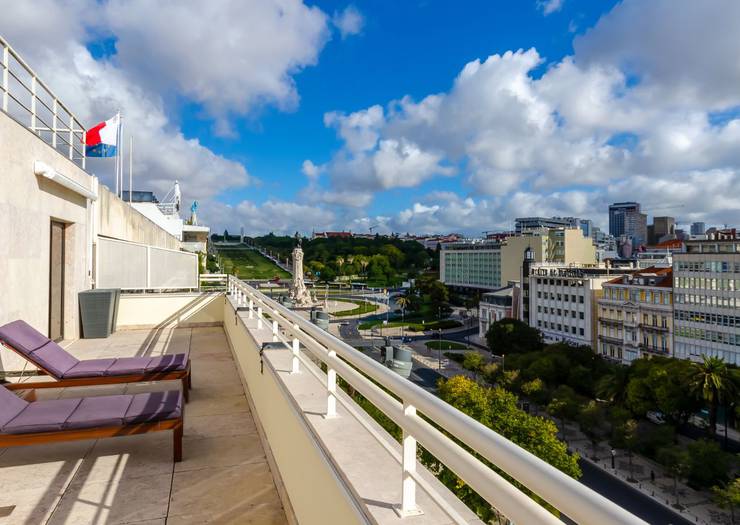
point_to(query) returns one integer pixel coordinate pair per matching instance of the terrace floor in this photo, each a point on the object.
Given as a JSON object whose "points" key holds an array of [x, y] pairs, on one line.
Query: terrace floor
{"points": [[224, 476]]}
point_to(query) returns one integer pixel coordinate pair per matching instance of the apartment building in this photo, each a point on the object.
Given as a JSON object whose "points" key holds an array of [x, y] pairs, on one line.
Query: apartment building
{"points": [[626, 219], [707, 298], [562, 300], [635, 315], [491, 264]]}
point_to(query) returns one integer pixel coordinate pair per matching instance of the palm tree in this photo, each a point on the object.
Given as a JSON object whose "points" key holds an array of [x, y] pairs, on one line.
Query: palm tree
{"points": [[363, 264], [711, 381], [340, 263], [613, 386], [403, 302]]}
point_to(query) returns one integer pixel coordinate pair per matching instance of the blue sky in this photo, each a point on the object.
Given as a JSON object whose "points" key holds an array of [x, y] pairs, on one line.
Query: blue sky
{"points": [[410, 48], [416, 116]]}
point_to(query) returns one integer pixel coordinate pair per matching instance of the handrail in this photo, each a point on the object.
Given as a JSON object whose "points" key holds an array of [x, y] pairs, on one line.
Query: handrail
{"points": [[66, 128], [560, 490]]}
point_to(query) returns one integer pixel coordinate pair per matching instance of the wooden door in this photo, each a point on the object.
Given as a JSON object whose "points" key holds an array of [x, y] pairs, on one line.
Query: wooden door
{"points": [[56, 282]]}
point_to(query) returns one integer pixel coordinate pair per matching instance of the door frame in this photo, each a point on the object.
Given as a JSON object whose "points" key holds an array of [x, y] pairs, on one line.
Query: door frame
{"points": [[64, 271]]}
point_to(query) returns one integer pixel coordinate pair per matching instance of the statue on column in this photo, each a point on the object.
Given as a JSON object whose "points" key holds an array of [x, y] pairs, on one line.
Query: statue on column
{"points": [[299, 294]]}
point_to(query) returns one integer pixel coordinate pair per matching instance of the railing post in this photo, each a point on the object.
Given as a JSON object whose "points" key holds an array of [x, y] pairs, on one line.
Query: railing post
{"points": [[259, 317], [331, 388], [71, 137], [274, 331], [408, 484], [251, 308], [55, 111], [296, 347], [33, 104], [6, 68]]}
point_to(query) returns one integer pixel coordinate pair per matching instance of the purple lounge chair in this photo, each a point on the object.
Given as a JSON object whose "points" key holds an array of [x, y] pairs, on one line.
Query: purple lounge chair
{"points": [[53, 420], [55, 361]]}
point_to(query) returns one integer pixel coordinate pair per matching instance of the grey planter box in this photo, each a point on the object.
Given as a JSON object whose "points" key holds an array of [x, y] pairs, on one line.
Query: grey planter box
{"points": [[99, 311]]}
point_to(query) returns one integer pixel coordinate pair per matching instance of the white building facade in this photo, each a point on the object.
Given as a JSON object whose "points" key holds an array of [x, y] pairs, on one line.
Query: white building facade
{"points": [[707, 302], [563, 301]]}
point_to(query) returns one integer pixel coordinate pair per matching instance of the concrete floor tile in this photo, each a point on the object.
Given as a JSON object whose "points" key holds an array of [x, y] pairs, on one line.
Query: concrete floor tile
{"points": [[216, 425], [217, 405], [119, 500], [40, 466], [242, 494], [143, 455], [224, 451], [29, 506]]}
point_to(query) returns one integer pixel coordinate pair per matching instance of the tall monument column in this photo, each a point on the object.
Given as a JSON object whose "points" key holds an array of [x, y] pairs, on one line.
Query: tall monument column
{"points": [[298, 291]]}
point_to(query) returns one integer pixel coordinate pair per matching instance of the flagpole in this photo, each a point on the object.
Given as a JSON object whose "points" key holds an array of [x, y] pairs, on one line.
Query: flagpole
{"points": [[130, 167], [120, 154], [118, 148]]}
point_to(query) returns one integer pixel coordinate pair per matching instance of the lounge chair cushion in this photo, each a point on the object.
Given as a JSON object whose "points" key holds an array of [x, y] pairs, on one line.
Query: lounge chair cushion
{"points": [[167, 363], [54, 359], [104, 411], [90, 368], [128, 365], [22, 336], [42, 416], [155, 406], [10, 405]]}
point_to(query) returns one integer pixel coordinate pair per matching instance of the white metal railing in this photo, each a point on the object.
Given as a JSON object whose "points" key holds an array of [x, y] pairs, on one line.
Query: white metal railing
{"points": [[28, 100], [570, 497], [214, 281]]}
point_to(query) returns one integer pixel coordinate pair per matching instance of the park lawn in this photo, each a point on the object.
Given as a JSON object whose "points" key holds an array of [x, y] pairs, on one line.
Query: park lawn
{"points": [[445, 345], [362, 308], [250, 264]]}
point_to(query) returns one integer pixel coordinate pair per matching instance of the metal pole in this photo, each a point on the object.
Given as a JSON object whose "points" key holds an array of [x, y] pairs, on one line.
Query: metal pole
{"points": [[296, 347], [331, 389], [408, 485], [130, 168]]}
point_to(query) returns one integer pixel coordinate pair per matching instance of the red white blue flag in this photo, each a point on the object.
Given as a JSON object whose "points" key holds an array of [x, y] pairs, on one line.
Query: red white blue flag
{"points": [[102, 140]]}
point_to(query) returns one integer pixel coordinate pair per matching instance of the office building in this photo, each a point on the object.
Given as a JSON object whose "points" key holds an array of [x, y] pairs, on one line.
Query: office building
{"points": [[492, 264], [625, 219], [562, 300], [663, 228], [635, 315], [522, 224], [698, 228], [707, 306]]}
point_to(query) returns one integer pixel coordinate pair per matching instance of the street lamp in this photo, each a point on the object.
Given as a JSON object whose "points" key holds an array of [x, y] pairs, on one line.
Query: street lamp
{"points": [[439, 348]]}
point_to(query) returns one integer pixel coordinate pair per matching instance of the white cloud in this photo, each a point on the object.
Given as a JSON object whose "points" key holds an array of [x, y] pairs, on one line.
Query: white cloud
{"points": [[549, 6], [230, 57], [349, 21]]}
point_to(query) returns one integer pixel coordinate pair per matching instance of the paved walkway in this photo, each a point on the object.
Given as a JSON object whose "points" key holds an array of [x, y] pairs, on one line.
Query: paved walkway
{"points": [[696, 506], [223, 478]]}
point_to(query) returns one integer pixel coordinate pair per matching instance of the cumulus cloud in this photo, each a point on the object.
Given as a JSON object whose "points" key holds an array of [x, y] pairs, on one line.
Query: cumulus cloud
{"points": [[632, 114], [349, 21], [229, 57]]}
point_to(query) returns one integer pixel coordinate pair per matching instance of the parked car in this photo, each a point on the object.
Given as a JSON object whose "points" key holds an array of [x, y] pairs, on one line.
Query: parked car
{"points": [[656, 417]]}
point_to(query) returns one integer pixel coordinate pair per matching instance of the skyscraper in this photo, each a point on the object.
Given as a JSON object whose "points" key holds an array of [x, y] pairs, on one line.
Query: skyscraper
{"points": [[661, 227], [626, 219], [698, 228]]}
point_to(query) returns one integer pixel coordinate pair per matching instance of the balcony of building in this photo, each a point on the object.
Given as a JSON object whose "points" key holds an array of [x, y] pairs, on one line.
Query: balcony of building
{"points": [[269, 436], [224, 476]]}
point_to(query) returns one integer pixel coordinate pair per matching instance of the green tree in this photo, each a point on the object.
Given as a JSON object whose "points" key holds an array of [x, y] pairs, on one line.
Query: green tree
{"points": [[509, 336], [712, 381], [536, 390], [474, 362], [327, 275], [708, 463], [728, 497], [591, 421], [613, 386], [676, 461], [497, 409], [626, 436], [564, 405]]}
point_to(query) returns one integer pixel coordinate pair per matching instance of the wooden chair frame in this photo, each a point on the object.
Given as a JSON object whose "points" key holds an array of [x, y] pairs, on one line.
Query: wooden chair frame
{"points": [[36, 438], [182, 375]]}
